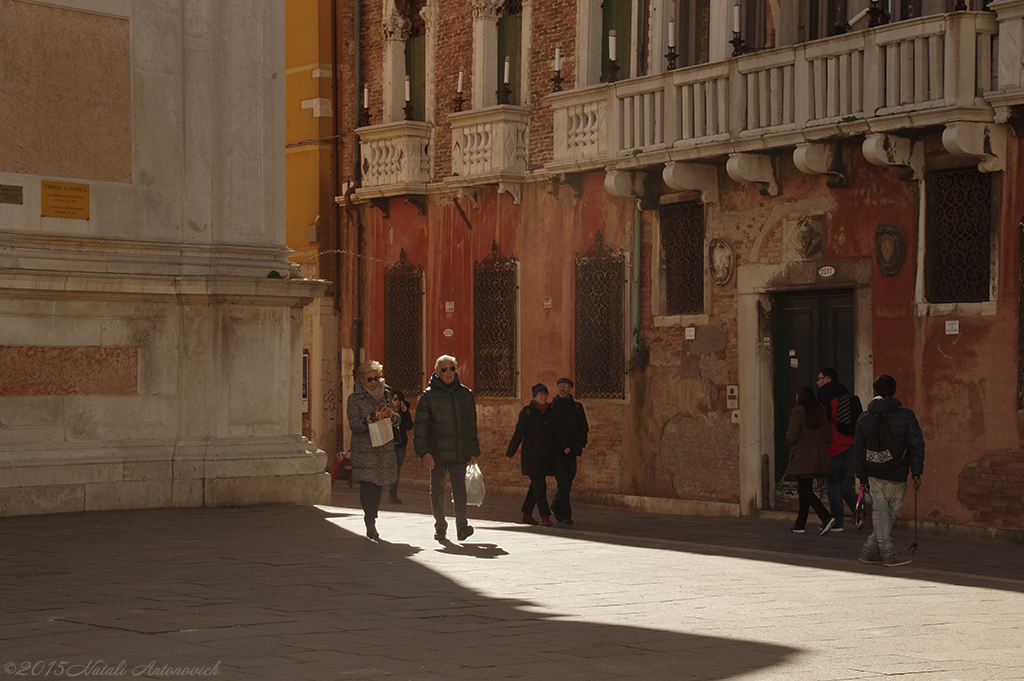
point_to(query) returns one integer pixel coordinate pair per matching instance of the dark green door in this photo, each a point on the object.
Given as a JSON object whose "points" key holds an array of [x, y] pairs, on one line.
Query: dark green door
{"points": [[812, 330]]}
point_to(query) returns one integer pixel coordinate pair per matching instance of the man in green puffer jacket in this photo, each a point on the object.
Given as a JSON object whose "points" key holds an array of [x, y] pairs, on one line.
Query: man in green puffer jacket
{"points": [[444, 436]]}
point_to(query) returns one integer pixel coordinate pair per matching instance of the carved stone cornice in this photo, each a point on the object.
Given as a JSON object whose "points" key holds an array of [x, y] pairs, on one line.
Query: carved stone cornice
{"points": [[487, 9], [396, 27]]}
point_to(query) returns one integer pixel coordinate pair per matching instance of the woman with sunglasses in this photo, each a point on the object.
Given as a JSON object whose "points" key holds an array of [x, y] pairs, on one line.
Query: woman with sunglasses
{"points": [[372, 467]]}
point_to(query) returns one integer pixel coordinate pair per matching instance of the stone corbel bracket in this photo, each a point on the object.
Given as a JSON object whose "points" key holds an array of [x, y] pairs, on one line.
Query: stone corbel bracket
{"points": [[754, 168], [822, 159], [983, 141], [513, 189], [574, 180], [470, 193], [891, 150], [692, 177], [628, 184], [419, 202], [383, 204]]}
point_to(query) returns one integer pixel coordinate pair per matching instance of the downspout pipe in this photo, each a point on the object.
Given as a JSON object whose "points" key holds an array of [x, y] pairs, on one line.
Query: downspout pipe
{"points": [[335, 158], [357, 270], [637, 242]]}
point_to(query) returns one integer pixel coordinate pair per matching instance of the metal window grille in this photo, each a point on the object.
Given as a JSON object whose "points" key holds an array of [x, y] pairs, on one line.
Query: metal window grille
{"points": [[403, 326], [600, 334], [494, 325], [682, 257], [511, 7], [958, 236]]}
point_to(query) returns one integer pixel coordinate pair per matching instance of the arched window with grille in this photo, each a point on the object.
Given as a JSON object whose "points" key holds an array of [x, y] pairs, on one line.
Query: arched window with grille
{"points": [[495, 322], [403, 327], [600, 335]]}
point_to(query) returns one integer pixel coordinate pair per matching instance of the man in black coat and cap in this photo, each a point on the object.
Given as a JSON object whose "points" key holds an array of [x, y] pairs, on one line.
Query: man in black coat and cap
{"points": [[571, 430]]}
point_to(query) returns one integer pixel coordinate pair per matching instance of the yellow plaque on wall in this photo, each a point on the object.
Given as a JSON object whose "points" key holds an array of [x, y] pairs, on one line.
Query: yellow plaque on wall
{"points": [[65, 200]]}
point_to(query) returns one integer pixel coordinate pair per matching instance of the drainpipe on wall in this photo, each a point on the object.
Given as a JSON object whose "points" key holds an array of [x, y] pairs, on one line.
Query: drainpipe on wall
{"points": [[335, 160], [637, 222], [357, 270]]}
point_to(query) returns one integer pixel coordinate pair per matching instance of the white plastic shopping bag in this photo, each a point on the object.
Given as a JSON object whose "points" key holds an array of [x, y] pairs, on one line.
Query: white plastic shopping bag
{"points": [[474, 485]]}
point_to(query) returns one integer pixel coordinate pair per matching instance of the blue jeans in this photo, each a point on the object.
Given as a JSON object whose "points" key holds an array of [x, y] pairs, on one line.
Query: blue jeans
{"points": [[886, 501], [839, 486]]}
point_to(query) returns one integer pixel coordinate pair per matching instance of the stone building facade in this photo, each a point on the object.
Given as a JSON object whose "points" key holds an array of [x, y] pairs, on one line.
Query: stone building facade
{"points": [[759, 191], [150, 323]]}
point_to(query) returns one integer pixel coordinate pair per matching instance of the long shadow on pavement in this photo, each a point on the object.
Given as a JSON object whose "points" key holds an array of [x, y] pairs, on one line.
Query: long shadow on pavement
{"points": [[277, 592]]}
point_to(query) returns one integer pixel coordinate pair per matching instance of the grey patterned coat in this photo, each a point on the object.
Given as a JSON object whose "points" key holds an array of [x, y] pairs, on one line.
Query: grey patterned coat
{"points": [[372, 464]]}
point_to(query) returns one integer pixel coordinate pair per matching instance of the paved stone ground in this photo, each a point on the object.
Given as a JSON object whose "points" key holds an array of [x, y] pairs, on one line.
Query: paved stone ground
{"points": [[288, 592]]}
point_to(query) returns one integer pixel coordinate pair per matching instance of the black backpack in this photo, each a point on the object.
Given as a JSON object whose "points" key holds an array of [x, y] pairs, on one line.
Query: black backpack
{"points": [[882, 456], [848, 410]]}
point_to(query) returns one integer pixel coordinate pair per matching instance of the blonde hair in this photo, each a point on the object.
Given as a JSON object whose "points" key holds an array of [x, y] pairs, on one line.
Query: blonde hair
{"points": [[368, 367]]}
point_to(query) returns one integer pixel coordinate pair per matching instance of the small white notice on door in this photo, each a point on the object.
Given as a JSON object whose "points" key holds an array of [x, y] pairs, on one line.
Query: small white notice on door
{"points": [[794, 362]]}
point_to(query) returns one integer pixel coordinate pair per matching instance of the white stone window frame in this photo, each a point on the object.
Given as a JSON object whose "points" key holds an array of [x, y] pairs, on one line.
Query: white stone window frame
{"points": [[658, 277], [922, 307], [485, 85], [397, 30], [589, 37]]}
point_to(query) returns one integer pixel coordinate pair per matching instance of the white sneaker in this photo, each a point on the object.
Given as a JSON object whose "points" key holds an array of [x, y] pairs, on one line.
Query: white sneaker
{"points": [[836, 529], [827, 527]]}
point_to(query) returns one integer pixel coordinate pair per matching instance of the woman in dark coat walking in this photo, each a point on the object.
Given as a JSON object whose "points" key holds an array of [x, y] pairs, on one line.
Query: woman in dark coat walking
{"points": [[808, 437], [535, 430], [372, 467]]}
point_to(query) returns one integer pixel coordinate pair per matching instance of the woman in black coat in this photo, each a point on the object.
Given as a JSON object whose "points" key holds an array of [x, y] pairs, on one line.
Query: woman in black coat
{"points": [[401, 431], [535, 430]]}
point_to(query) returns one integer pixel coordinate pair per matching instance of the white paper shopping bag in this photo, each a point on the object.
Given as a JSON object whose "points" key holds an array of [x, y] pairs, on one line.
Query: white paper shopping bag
{"points": [[381, 432]]}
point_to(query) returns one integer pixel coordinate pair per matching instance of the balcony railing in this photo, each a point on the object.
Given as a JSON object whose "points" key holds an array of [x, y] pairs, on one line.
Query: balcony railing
{"points": [[933, 67], [488, 143], [394, 158]]}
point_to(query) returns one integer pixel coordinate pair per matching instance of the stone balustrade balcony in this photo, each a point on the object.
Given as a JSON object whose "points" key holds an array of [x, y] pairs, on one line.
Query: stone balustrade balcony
{"points": [[916, 74], [489, 146], [394, 159]]}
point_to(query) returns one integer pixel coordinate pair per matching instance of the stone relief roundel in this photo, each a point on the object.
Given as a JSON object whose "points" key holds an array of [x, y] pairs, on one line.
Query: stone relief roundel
{"points": [[890, 249], [721, 260]]}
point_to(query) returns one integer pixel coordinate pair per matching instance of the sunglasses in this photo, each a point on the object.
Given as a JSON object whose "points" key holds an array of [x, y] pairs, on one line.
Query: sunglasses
{"points": [[373, 379], [445, 370]]}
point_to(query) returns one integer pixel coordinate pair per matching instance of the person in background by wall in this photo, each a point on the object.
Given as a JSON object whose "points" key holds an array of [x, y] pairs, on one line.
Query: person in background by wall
{"points": [[535, 430], [445, 437], [571, 430], [808, 435], [887, 446], [400, 407], [372, 467], [840, 449]]}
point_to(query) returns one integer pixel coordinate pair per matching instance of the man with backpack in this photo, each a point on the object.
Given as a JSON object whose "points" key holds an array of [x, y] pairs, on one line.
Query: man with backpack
{"points": [[843, 408], [888, 444]]}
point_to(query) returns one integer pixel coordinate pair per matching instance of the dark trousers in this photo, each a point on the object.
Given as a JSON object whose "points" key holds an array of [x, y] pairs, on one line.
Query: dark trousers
{"points": [[808, 499], [565, 473], [400, 457], [369, 499], [839, 486], [537, 496], [457, 473]]}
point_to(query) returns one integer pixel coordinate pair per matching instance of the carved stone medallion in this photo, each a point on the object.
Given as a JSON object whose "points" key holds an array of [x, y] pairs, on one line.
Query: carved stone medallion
{"points": [[890, 249], [721, 260]]}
